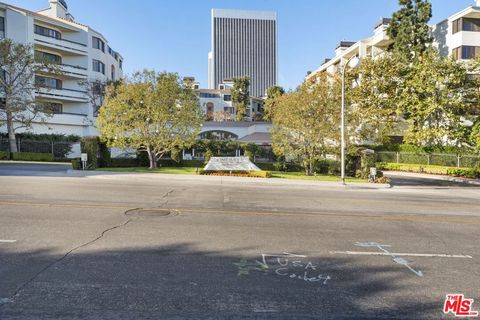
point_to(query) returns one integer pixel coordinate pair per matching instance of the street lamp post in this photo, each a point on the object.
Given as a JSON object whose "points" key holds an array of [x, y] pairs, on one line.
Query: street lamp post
{"points": [[352, 63]]}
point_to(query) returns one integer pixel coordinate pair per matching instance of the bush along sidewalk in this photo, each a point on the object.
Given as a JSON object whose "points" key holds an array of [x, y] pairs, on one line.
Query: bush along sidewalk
{"points": [[471, 173]]}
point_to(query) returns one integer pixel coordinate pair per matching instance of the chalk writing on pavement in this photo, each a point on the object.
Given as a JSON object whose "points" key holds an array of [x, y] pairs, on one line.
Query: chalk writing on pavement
{"points": [[287, 265]]}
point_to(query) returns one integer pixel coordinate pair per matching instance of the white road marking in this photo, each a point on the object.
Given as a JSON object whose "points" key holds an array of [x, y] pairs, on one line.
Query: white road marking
{"points": [[368, 253], [5, 300], [8, 241]]}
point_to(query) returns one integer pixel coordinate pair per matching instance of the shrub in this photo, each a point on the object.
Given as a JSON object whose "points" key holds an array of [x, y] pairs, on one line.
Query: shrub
{"points": [[208, 155], [76, 164], [4, 155], [104, 155], [457, 172], [250, 174], [142, 157], [89, 145], [280, 165], [465, 173], [266, 166], [32, 156], [97, 151], [367, 161], [176, 155], [123, 162]]}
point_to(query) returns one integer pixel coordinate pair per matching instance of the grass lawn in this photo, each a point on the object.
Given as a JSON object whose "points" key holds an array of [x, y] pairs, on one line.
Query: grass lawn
{"points": [[166, 170], [275, 174]]}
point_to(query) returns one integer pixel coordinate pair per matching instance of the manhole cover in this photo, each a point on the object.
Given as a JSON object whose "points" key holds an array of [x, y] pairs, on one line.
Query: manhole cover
{"points": [[150, 212]]}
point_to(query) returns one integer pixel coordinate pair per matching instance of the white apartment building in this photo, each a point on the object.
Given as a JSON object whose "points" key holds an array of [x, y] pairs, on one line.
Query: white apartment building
{"points": [[369, 47], [457, 36], [217, 104], [220, 116], [82, 53]]}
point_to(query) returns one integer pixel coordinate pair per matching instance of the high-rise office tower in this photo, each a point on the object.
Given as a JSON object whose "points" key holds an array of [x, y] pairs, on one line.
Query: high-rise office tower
{"points": [[244, 43]]}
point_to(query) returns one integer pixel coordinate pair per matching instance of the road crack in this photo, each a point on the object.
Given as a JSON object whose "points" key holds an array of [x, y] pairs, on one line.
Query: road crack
{"points": [[17, 292]]}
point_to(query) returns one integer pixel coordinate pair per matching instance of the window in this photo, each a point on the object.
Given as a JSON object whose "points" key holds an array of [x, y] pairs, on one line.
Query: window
{"points": [[470, 24], [51, 83], [466, 24], [229, 110], [98, 66], [112, 73], [47, 57], [2, 103], [2, 27], [466, 52], [51, 107], [457, 25], [47, 32], [227, 97], [218, 135], [98, 44], [210, 108], [112, 53], [208, 95], [120, 64]]}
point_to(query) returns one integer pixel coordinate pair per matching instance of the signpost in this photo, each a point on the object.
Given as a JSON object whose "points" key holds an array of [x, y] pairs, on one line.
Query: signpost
{"points": [[84, 158], [373, 174]]}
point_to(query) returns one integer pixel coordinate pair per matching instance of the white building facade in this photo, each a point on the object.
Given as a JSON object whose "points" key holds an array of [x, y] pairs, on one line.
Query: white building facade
{"points": [[82, 53], [217, 104], [369, 47], [457, 36]]}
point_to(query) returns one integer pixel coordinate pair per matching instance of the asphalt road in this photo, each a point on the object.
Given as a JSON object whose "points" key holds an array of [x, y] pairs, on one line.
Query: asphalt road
{"points": [[232, 248]]}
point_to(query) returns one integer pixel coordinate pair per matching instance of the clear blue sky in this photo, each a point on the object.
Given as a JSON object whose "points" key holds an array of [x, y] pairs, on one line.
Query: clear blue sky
{"points": [[174, 35]]}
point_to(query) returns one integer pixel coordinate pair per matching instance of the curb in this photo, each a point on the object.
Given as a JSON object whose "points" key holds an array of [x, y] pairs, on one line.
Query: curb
{"points": [[36, 162]]}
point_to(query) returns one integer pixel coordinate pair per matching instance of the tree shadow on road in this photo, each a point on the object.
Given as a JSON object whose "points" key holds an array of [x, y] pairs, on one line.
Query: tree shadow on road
{"points": [[182, 281]]}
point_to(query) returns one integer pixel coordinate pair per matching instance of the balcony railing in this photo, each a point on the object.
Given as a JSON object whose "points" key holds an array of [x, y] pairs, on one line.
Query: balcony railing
{"points": [[61, 44], [63, 94], [72, 66], [62, 39]]}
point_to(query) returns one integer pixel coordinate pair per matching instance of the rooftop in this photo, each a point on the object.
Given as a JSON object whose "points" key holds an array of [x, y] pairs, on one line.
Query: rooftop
{"points": [[383, 22], [244, 14], [345, 44]]}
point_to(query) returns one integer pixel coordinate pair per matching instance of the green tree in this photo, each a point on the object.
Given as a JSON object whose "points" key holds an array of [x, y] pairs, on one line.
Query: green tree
{"points": [[306, 123], [152, 112], [273, 93], [475, 136], [409, 28], [435, 100], [20, 109], [241, 96], [374, 99]]}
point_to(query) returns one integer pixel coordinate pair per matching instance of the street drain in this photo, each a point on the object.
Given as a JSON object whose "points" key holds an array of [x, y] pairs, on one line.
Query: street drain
{"points": [[150, 213]]}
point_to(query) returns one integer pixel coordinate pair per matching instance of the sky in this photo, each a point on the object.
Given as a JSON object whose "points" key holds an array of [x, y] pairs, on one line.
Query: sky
{"points": [[174, 35]]}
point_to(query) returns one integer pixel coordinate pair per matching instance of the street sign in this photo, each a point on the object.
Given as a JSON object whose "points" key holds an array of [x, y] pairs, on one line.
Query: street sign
{"points": [[84, 158]]}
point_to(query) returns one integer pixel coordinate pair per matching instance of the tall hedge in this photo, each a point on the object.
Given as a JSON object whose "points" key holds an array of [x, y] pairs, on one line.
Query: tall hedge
{"points": [[90, 146], [97, 152]]}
